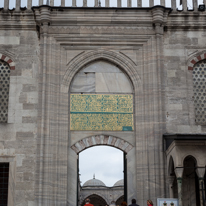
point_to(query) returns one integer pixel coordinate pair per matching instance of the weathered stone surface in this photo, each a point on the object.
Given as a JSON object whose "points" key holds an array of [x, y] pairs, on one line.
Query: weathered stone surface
{"points": [[149, 53]]}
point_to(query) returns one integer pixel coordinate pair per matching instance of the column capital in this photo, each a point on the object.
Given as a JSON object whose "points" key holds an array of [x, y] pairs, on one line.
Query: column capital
{"points": [[179, 172], [200, 172]]}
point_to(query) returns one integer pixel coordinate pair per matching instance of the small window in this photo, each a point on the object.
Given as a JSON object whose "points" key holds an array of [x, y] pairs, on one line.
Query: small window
{"points": [[4, 182], [199, 87], [4, 91]]}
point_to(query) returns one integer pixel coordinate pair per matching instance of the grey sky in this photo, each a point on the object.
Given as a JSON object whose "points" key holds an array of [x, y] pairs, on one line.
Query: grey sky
{"points": [[113, 3], [103, 161]]}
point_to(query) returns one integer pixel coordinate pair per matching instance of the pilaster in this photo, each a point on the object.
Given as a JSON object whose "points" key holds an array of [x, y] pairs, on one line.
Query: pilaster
{"points": [[201, 173], [179, 174]]}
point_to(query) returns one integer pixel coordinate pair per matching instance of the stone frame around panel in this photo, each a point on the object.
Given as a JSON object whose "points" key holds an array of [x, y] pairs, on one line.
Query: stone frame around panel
{"points": [[73, 67]]}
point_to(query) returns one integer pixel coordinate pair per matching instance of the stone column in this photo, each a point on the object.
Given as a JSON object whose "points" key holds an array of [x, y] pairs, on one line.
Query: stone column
{"points": [[96, 3], [106, 3], [73, 3], [174, 6], [171, 181], [119, 3], [179, 174], [184, 5], [139, 3], [129, 3], [29, 4], [63, 3], [6, 4], [18, 4], [43, 142], [195, 5], [201, 173], [51, 2], [84, 3], [162, 2], [151, 3], [40, 2]]}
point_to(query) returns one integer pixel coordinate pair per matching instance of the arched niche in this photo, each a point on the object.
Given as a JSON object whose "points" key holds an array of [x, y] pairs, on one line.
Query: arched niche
{"points": [[120, 200], [101, 76], [190, 182], [95, 200], [104, 75]]}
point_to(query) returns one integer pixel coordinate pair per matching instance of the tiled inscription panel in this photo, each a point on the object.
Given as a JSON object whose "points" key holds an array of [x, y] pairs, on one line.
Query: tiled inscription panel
{"points": [[101, 112]]}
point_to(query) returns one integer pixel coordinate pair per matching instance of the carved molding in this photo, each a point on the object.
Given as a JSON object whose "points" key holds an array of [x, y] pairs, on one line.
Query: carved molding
{"points": [[87, 57], [8, 60], [102, 140], [196, 58], [101, 30]]}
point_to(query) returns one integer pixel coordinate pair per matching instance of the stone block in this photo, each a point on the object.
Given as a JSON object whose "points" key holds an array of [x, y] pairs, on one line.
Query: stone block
{"points": [[29, 119], [24, 135], [10, 40], [29, 88], [29, 106]]}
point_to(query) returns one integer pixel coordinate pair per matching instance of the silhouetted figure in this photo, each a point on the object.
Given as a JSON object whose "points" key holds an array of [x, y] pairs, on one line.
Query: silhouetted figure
{"points": [[133, 203]]}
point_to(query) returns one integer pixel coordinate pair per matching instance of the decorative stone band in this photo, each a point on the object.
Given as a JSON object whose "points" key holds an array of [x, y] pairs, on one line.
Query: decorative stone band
{"points": [[102, 140], [196, 59], [8, 60]]}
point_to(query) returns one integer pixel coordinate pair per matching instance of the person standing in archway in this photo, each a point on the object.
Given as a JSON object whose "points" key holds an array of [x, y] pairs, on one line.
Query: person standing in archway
{"points": [[133, 203], [87, 202]]}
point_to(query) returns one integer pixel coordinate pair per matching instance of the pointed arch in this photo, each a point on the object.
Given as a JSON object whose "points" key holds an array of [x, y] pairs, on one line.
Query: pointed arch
{"points": [[102, 140], [171, 166], [196, 58], [120, 200], [123, 62], [188, 157], [8, 60], [95, 198]]}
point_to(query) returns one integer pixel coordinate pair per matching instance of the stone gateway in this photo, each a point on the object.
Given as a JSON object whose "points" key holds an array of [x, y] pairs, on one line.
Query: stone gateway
{"points": [[132, 77]]}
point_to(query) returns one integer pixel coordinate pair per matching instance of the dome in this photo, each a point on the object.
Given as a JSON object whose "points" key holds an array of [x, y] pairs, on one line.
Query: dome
{"points": [[94, 183], [119, 183]]}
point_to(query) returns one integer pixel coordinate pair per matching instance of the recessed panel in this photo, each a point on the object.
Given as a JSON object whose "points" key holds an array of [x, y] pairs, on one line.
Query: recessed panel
{"points": [[101, 112]]}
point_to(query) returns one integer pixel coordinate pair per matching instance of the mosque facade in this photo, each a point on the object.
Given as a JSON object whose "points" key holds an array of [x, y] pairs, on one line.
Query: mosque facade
{"points": [[129, 77], [100, 194]]}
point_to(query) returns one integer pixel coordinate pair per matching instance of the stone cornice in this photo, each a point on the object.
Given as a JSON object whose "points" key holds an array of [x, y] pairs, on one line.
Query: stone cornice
{"points": [[13, 20]]}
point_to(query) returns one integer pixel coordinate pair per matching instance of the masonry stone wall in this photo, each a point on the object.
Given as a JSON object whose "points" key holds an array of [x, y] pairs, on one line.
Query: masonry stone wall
{"points": [[18, 137], [154, 47]]}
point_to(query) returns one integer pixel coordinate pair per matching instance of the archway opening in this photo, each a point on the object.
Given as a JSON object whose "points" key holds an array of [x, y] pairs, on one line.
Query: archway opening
{"points": [[95, 200], [101, 172], [120, 200], [190, 183], [173, 179], [101, 112]]}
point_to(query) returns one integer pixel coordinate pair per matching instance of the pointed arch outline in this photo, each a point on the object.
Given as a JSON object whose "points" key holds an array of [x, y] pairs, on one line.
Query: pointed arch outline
{"points": [[94, 193], [122, 196], [8, 60], [98, 140], [171, 165], [189, 155], [84, 58], [196, 58]]}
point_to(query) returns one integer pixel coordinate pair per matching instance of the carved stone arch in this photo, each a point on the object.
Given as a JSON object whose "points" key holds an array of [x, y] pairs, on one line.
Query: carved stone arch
{"points": [[98, 140], [196, 58], [126, 64], [94, 195], [189, 155], [120, 200], [8, 60], [171, 165]]}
